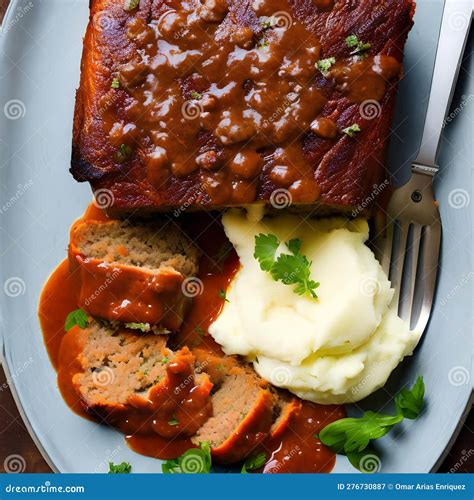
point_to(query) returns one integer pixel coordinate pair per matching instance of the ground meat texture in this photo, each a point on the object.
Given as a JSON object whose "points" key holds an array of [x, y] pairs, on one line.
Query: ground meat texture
{"points": [[187, 105], [242, 416], [135, 383], [133, 273]]}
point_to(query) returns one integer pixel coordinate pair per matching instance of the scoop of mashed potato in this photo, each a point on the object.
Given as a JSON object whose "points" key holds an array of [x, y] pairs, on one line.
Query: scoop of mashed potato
{"points": [[336, 349]]}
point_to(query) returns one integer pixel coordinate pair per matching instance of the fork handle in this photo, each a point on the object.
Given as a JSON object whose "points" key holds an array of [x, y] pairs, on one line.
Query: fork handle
{"points": [[455, 25]]}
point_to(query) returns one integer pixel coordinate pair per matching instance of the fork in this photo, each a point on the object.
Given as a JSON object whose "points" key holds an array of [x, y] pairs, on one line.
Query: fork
{"points": [[408, 240]]}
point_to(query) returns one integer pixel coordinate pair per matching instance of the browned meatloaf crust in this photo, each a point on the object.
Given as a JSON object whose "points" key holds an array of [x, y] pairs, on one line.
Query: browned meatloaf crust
{"points": [[266, 119]]}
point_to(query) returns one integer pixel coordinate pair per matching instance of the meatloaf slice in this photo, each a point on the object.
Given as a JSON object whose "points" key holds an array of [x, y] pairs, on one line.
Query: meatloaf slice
{"points": [[205, 104], [135, 383], [242, 416], [286, 406], [140, 273]]}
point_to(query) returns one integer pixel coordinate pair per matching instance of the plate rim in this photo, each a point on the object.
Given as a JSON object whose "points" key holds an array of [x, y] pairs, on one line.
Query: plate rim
{"points": [[4, 358]]}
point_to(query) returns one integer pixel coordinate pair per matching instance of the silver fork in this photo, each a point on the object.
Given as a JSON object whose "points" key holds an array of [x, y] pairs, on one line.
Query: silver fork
{"points": [[408, 243]]}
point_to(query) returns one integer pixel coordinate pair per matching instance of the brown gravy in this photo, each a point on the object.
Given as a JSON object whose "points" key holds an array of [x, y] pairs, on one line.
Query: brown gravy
{"points": [[295, 450], [209, 96]]}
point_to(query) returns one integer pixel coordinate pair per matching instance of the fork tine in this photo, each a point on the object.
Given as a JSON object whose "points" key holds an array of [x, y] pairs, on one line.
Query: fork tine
{"points": [[432, 244], [415, 250], [387, 244], [397, 265]]}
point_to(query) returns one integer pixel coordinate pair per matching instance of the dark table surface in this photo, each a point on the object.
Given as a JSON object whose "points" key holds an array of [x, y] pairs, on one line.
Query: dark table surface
{"points": [[15, 439]]}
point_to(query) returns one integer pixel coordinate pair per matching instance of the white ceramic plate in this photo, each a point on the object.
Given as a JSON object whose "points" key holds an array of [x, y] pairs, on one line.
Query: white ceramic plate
{"points": [[40, 50]]}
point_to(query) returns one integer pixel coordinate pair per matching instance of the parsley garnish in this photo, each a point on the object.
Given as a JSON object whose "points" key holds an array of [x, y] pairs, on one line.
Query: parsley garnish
{"points": [[266, 23], [196, 95], [253, 463], [123, 153], [351, 436], [324, 64], [115, 83], [173, 421], [165, 360], [350, 131], [123, 468], [144, 327], [223, 295], [130, 4], [291, 269], [199, 331], [192, 461], [359, 47], [77, 317]]}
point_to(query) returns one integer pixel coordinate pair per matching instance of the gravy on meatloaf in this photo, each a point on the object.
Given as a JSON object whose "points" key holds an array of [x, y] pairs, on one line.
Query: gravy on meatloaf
{"points": [[255, 93]]}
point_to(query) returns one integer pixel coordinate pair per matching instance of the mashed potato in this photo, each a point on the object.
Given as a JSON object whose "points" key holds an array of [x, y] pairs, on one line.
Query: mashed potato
{"points": [[336, 349]]}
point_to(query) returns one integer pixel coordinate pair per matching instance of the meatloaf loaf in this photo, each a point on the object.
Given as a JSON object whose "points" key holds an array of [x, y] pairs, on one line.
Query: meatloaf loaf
{"points": [[134, 273], [213, 103]]}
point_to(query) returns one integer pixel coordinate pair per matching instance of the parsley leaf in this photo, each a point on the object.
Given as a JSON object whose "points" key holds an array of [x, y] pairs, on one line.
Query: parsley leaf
{"points": [[123, 153], [123, 468], [196, 95], [199, 331], [359, 47], [410, 402], [353, 435], [253, 463], [77, 317], [144, 327], [289, 269], [129, 5], [192, 461], [165, 360], [173, 421], [223, 295], [350, 131], [115, 83], [325, 64], [265, 248]]}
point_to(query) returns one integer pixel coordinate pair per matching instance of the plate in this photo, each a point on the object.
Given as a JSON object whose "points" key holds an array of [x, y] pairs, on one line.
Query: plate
{"points": [[41, 46]]}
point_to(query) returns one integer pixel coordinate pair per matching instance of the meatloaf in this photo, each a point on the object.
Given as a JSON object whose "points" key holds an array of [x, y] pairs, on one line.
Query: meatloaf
{"points": [[135, 383], [135, 273], [214, 103]]}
